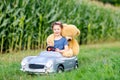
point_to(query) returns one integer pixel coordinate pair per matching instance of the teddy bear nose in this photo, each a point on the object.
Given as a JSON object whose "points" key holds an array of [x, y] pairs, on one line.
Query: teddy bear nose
{"points": [[69, 39]]}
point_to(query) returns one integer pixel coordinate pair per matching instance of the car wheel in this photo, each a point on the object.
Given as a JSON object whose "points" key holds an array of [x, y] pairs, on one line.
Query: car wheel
{"points": [[76, 65], [60, 69]]}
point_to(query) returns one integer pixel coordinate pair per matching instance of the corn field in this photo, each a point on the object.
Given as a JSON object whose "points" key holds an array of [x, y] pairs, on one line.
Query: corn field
{"points": [[25, 24]]}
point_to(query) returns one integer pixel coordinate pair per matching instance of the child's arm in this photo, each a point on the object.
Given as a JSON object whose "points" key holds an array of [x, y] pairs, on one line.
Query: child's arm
{"points": [[61, 51]]}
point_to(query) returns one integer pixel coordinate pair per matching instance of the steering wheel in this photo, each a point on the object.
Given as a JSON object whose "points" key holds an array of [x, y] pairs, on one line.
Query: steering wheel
{"points": [[50, 48]]}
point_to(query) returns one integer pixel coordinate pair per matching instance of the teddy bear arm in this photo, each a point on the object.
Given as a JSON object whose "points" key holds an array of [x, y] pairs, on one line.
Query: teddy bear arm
{"points": [[75, 47], [50, 40], [68, 53]]}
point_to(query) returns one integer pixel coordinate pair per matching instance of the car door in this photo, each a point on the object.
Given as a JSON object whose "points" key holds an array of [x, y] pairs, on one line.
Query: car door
{"points": [[69, 63]]}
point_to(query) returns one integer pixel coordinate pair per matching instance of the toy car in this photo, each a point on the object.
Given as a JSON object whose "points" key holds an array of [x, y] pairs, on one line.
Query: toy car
{"points": [[48, 62]]}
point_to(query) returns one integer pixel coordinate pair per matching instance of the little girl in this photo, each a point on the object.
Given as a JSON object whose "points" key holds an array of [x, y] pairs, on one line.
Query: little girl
{"points": [[60, 42]]}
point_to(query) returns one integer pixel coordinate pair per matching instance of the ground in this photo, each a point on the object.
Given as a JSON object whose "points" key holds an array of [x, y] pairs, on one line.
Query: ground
{"points": [[96, 62]]}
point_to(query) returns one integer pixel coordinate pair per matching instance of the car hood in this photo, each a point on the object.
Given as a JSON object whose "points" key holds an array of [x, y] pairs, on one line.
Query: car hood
{"points": [[41, 60], [50, 54], [46, 56]]}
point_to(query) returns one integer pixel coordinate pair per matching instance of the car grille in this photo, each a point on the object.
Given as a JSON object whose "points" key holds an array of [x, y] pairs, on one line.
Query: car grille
{"points": [[36, 66]]}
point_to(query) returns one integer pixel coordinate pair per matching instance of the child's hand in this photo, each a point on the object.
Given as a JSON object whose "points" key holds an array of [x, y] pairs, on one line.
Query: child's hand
{"points": [[57, 50]]}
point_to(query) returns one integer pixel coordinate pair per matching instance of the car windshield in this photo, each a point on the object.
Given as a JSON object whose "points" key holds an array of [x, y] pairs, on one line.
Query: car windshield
{"points": [[50, 54]]}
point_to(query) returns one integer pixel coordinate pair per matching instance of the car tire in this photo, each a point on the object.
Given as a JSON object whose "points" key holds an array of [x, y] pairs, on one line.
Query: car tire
{"points": [[76, 65], [60, 69]]}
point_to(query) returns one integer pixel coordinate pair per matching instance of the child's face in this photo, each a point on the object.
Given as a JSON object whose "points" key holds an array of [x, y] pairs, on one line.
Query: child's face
{"points": [[57, 30]]}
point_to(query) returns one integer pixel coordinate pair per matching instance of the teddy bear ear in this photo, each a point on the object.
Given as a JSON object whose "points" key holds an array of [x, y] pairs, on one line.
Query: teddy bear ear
{"points": [[64, 25], [78, 32]]}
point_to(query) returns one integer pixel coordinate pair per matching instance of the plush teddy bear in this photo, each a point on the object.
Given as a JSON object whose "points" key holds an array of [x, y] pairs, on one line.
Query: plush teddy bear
{"points": [[69, 32]]}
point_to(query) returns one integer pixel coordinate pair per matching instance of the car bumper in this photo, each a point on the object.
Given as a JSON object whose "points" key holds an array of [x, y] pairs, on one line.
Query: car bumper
{"points": [[38, 71]]}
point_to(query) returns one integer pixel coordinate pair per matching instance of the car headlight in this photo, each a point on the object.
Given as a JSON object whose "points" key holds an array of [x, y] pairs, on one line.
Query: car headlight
{"points": [[49, 64], [23, 63]]}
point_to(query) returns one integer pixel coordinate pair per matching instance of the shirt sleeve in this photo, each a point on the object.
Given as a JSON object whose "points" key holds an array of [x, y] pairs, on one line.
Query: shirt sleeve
{"points": [[65, 42]]}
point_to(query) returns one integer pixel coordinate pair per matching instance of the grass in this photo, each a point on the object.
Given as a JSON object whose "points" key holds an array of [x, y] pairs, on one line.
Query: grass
{"points": [[96, 62]]}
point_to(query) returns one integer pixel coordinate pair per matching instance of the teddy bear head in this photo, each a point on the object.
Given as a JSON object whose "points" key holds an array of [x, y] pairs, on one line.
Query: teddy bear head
{"points": [[70, 31]]}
